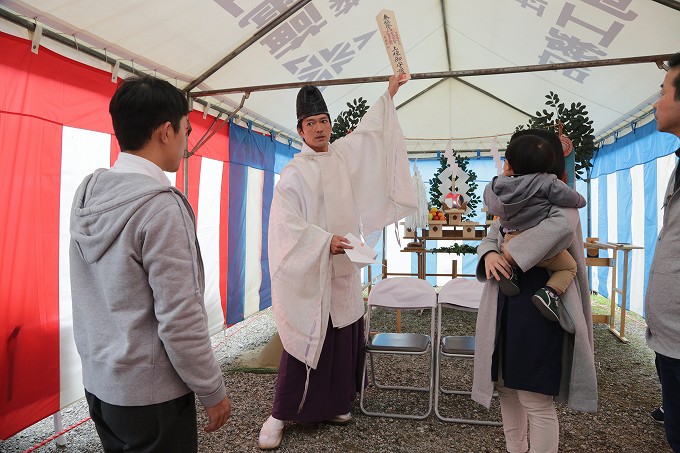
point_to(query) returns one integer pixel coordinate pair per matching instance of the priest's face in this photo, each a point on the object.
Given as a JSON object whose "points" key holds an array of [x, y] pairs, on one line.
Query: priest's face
{"points": [[316, 132]]}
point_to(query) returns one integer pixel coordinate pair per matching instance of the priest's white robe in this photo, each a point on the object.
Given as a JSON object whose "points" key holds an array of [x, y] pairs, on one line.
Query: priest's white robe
{"points": [[359, 186]]}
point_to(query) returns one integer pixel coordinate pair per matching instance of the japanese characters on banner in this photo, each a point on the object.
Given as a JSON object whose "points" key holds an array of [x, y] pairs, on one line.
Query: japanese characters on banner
{"points": [[387, 24], [285, 41], [579, 34]]}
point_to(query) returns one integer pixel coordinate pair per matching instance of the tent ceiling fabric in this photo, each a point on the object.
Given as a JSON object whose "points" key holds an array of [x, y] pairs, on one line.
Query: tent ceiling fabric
{"points": [[334, 39]]}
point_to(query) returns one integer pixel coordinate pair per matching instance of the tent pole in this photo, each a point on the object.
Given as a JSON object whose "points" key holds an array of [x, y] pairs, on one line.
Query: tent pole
{"points": [[589, 227], [446, 34], [437, 75], [58, 428], [210, 132], [203, 140], [185, 172], [468, 84], [670, 3], [185, 167], [70, 42]]}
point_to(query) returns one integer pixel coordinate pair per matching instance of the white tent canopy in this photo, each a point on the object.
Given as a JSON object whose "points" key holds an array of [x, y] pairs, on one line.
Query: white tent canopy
{"points": [[336, 39], [264, 42]]}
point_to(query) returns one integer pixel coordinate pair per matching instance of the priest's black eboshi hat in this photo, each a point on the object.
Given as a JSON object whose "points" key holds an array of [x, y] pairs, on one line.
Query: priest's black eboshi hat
{"points": [[309, 103]]}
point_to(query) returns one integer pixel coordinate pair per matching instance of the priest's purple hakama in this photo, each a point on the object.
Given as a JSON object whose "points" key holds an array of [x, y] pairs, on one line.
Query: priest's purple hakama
{"points": [[334, 383]]}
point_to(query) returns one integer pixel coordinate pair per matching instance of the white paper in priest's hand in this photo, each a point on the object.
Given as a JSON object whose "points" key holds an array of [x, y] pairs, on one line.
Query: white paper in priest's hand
{"points": [[361, 254]]}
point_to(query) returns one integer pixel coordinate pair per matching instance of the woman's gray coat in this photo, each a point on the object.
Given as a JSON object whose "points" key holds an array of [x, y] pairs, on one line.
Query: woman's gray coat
{"points": [[560, 231]]}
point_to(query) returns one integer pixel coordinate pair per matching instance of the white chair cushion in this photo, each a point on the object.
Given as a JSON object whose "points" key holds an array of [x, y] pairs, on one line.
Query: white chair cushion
{"points": [[403, 292], [462, 292]]}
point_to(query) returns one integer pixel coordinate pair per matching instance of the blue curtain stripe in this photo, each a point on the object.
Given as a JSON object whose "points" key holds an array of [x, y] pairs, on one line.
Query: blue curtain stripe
{"points": [[651, 217], [267, 195], [624, 200], [602, 232], [248, 149], [236, 277]]}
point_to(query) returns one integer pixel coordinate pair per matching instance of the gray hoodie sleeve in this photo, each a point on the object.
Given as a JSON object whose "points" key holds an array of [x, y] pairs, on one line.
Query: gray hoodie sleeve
{"points": [[554, 234], [171, 259], [562, 195]]}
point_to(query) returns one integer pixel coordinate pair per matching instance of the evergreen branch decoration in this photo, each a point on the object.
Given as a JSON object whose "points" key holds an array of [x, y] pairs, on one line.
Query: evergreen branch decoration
{"points": [[576, 125], [458, 249], [348, 119]]}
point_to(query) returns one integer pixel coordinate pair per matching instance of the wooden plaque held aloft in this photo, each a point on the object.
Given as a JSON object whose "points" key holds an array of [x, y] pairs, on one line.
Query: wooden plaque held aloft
{"points": [[387, 24]]}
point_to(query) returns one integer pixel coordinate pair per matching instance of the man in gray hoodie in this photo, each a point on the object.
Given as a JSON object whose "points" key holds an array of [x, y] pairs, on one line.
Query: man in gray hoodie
{"points": [[137, 284], [662, 301]]}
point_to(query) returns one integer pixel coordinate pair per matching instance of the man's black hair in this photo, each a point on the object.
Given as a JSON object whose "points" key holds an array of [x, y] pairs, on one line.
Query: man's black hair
{"points": [[140, 105]]}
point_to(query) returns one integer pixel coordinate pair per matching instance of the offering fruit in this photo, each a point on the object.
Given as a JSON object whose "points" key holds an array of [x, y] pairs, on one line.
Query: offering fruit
{"points": [[436, 214]]}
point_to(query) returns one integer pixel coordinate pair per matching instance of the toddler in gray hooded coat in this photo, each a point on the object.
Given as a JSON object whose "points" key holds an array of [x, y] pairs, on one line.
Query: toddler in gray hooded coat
{"points": [[521, 198]]}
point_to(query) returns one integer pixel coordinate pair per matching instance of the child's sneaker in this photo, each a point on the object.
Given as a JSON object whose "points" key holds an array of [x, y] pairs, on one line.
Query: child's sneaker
{"points": [[509, 286], [547, 302]]}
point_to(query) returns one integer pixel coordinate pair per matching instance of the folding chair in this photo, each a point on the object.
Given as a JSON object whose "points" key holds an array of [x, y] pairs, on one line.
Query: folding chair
{"points": [[400, 293], [465, 295]]}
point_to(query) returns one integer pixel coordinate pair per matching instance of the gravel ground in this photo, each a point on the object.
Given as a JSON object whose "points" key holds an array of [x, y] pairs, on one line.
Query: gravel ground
{"points": [[628, 389]]}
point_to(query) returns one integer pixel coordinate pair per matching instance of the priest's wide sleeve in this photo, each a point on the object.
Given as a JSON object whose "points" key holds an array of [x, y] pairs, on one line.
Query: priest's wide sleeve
{"points": [[378, 167]]}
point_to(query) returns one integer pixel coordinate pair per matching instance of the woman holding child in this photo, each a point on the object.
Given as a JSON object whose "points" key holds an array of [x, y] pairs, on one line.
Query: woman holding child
{"points": [[528, 358]]}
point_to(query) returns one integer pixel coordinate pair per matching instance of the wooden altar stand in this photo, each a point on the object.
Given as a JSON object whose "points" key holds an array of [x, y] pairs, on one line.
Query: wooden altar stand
{"points": [[593, 248]]}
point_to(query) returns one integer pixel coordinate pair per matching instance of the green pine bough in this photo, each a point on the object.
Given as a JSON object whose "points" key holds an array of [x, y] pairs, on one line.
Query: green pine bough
{"points": [[575, 124], [348, 119], [458, 249]]}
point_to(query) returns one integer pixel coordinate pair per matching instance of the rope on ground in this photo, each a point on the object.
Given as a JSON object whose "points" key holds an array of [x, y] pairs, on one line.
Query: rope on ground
{"points": [[51, 438], [86, 419], [245, 324]]}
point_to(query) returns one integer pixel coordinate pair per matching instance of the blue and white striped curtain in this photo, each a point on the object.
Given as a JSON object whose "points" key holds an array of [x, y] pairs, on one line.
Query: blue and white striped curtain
{"points": [[628, 182], [254, 163]]}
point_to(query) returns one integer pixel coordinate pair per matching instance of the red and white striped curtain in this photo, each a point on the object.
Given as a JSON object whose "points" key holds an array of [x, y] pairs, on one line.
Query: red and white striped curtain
{"points": [[54, 130]]}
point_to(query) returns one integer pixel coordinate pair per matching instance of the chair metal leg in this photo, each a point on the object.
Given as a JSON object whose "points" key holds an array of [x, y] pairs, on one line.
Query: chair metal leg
{"points": [[430, 391], [438, 389]]}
